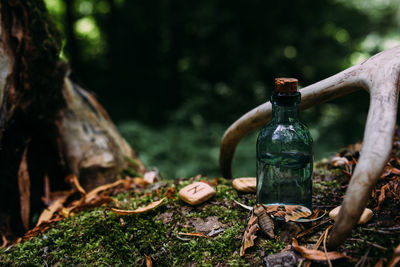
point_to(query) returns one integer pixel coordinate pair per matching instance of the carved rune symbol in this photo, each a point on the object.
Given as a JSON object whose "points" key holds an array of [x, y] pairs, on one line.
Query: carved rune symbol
{"points": [[196, 189]]}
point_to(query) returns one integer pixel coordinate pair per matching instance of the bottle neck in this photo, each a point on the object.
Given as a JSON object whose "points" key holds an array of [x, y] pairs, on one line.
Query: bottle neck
{"points": [[285, 107], [284, 114]]}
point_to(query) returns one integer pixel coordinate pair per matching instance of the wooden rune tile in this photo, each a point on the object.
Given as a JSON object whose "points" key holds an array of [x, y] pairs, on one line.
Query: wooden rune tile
{"points": [[247, 184], [196, 193]]}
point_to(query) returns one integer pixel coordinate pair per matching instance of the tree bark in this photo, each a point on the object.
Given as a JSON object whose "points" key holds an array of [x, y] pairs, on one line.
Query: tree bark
{"points": [[48, 124]]}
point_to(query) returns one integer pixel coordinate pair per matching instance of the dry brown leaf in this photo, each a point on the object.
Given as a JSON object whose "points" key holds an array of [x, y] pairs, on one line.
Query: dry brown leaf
{"points": [[74, 180], [382, 195], [48, 212], [380, 262], [93, 193], [24, 186], [47, 194], [265, 221], [149, 262], [55, 206], [5, 241], [395, 171], [140, 181], [313, 254], [171, 193], [288, 212], [249, 234], [194, 234], [94, 199], [395, 258], [139, 210], [97, 202]]}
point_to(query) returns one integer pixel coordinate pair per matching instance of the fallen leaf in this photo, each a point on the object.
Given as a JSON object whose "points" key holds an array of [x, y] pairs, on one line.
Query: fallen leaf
{"points": [[194, 234], [171, 193], [97, 190], [139, 210], [318, 255], [55, 206], [380, 262], [74, 180], [265, 221], [140, 181], [288, 212], [24, 186], [47, 194], [249, 234], [382, 195], [48, 212], [5, 241], [149, 262], [395, 171], [395, 258]]}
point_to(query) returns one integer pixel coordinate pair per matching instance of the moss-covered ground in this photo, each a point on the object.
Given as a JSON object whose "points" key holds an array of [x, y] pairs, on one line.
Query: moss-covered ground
{"points": [[99, 237]]}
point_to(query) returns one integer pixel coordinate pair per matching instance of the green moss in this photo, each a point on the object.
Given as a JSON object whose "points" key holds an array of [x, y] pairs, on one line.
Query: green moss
{"points": [[97, 237], [271, 246]]}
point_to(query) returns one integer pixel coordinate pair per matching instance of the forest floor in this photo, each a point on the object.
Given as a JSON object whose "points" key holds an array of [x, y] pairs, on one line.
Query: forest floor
{"points": [[82, 229]]}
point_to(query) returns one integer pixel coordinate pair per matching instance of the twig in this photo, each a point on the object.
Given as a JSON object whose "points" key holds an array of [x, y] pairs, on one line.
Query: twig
{"points": [[326, 252], [386, 231], [300, 263], [319, 241], [309, 230], [369, 243], [361, 262]]}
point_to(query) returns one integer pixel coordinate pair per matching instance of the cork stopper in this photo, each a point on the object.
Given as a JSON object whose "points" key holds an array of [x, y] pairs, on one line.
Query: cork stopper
{"points": [[285, 85]]}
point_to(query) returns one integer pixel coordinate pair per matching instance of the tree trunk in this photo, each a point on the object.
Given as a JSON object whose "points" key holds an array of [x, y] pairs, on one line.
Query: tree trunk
{"points": [[49, 126]]}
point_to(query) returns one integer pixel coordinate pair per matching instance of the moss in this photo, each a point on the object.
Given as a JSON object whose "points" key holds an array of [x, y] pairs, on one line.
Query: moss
{"points": [[97, 237], [271, 246]]}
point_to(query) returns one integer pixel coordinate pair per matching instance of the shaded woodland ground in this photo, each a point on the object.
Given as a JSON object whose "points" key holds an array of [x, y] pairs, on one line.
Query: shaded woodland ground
{"points": [[210, 234]]}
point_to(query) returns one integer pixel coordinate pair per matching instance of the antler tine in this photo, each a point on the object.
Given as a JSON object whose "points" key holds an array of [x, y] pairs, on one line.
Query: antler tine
{"points": [[340, 84], [382, 72]]}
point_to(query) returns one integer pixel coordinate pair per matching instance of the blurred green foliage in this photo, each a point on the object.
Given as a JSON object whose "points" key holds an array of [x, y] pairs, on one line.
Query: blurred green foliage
{"points": [[174, 74]]}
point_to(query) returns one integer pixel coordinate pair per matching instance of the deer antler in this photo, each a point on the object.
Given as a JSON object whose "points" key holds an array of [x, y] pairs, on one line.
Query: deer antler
{"points": [[379, 75]]}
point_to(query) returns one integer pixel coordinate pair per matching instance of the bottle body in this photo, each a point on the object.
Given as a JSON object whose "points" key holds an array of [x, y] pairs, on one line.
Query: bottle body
{"points": [[285, 159]]}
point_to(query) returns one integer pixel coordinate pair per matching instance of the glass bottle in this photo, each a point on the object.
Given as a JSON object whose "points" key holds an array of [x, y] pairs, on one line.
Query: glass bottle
{"points": [[285, 151]]}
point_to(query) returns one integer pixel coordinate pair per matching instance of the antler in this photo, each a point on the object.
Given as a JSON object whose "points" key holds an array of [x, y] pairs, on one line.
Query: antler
{"points": [[379, 75]]}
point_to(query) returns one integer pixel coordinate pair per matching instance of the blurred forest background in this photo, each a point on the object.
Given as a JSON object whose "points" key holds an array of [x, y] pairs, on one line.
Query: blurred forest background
{"points": [[175, 74]]}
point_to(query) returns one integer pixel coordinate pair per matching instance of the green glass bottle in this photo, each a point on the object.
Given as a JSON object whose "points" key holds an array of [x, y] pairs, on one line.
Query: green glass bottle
{"points": [[285, 151]]}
